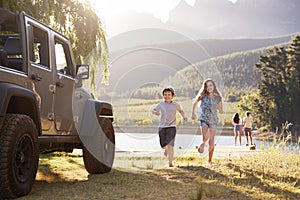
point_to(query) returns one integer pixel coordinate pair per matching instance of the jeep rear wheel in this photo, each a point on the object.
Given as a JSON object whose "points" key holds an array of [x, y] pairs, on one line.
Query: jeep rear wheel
{"points": [[18, 155], [107, 146]]}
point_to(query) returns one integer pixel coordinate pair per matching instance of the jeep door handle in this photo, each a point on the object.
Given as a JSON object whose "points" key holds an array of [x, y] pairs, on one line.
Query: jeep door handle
{"points": [[52, 88], [36, 77], [59, 84]]}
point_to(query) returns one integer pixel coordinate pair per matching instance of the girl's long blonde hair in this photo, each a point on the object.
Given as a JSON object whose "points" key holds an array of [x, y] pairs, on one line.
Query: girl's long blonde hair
{"points": [[203, 90]]}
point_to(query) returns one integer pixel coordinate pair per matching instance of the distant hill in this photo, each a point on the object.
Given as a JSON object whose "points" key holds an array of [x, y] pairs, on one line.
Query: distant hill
{"points": [[134, 68], [234, 74], [144, 57]]}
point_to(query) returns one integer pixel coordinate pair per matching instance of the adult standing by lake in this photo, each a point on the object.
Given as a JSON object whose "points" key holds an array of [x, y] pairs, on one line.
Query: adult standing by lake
{"points": [[237, 128], [210, 103], [248, 127], [167, 127]]}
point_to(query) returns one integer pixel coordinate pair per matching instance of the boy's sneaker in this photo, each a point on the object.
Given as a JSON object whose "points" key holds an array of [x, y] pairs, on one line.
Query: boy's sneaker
{"points": [[247, 144]]}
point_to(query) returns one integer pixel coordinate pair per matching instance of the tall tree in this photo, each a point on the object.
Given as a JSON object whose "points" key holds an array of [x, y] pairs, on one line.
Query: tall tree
{"points": [[74, 18], [278, 96], [293, 66]]}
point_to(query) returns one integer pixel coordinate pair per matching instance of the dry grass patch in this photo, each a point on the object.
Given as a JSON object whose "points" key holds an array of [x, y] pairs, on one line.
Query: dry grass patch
{"points": [[271, 174]]}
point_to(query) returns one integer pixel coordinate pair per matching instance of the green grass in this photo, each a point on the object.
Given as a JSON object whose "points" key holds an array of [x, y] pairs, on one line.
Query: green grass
{"points": [[270, 174]]}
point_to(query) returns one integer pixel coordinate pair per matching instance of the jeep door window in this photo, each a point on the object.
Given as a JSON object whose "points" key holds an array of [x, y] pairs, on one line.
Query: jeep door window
{"points": [[63, 65], [40, 48]]}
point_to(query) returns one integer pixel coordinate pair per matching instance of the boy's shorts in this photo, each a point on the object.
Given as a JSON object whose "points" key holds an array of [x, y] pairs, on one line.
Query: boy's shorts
{"points": [[167, 136], [247, 131]]}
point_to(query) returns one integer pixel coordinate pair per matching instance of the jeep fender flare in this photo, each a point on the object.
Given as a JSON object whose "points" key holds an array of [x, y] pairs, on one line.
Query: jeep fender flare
{"points": [[19, 100], [90, 117]]}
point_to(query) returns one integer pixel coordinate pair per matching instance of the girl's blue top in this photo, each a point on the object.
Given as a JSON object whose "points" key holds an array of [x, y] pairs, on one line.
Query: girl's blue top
{"points": [[208, 109]]}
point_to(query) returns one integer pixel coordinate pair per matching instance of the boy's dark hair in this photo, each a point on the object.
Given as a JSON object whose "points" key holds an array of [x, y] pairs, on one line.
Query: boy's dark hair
{"points": [[248, 113], [168, 90]]}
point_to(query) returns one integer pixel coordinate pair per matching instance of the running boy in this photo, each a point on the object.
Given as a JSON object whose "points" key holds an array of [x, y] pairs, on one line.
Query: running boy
{"points": [[167, 126]]}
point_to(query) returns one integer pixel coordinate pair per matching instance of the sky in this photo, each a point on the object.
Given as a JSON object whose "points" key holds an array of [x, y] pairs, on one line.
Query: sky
{"points": [[159, 9]]}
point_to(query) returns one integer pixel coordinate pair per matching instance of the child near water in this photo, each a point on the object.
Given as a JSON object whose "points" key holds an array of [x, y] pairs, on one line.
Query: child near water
{"points": [[210, 103], [167, 127]]}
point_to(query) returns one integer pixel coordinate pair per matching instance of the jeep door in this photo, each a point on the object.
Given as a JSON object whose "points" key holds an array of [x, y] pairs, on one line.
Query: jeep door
{"points": [[64, 81], [40, 70]]}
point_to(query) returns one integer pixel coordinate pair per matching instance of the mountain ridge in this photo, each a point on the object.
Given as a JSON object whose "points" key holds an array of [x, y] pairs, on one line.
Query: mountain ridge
{"points": [[137, 67]]}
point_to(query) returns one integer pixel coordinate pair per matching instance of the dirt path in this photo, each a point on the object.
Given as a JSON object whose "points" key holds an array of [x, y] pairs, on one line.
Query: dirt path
{"points": [[155, 159]]}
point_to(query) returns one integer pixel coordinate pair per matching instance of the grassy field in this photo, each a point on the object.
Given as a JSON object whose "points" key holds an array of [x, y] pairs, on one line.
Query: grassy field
{"points": [[270, 174]]}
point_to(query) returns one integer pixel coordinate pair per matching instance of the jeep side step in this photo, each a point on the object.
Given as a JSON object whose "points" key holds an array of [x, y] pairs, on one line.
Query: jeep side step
{"points": [[59, 139], [66, 143]]}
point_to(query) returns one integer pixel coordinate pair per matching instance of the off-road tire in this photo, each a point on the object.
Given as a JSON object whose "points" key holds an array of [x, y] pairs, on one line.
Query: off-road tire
{"points": [[18, 155], [94, 166]]}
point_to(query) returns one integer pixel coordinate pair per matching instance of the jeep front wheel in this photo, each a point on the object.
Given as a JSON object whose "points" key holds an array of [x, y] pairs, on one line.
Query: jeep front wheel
{"points": [[98, 160], [18, 155]]}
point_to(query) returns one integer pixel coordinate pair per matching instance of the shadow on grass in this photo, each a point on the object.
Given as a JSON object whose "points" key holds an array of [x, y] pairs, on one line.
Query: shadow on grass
{"points": [[171, 183], [182, 182], [213, 184], [252, 180], [70, 160], [53, 168], [47, 173]]}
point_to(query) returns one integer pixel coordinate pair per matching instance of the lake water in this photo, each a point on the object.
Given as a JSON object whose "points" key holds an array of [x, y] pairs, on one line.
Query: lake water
{"points": [[150, 141], [129, 144]]}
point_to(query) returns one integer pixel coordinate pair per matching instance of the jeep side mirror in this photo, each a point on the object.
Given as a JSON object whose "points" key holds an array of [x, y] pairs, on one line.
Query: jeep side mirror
{"points": [[83, 72]]}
